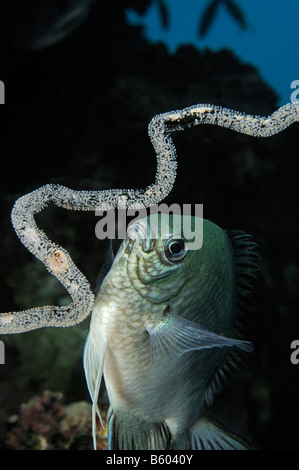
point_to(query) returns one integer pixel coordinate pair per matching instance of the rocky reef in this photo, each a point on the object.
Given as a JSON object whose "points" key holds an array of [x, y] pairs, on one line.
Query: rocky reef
{"points": [[46, 423]]}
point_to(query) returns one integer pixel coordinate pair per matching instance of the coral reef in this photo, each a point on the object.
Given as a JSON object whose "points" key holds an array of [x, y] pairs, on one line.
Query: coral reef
{"points": [[46, 423]]}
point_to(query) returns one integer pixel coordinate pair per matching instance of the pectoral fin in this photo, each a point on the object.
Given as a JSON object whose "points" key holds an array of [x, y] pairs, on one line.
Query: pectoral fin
{"points": [[175, 336], [93, 361]]}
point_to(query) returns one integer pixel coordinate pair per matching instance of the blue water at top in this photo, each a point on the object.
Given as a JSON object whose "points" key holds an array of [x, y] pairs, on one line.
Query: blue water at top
{"points": [[270, 43]]}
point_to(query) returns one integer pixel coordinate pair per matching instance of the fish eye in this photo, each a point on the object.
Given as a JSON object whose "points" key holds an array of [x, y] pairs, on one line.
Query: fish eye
{"points": [[175, 249]]}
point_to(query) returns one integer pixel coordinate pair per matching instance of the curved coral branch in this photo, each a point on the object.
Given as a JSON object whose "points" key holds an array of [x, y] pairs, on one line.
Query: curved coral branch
{"points": [[255, 126], [58, 261]]}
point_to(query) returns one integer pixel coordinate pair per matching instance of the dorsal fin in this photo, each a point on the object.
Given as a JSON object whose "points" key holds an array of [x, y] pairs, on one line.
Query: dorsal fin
{"points": [[246, 272]]}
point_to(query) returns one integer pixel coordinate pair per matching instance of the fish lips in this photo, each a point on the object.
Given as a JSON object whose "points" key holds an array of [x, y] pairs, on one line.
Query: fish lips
{"points": [[141, 230]]}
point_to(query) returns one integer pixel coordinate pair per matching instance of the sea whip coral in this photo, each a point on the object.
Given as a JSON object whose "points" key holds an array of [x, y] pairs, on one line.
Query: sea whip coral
{"points": [[58, 261]]}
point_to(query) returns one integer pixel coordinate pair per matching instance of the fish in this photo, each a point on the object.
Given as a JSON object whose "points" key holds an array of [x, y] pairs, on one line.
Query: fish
{"points": [[165, 333], [41, 24], [57, 23]]}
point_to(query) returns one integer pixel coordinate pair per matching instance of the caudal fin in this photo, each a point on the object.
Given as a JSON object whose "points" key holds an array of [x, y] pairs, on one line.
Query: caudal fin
{"points": [[207, 434]]}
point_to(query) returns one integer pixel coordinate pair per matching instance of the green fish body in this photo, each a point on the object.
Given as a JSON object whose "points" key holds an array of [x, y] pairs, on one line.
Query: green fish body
{"points": [[161, 333]]}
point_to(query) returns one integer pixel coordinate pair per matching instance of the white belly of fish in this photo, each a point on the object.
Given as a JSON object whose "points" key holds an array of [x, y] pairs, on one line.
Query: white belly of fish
{"points": [[134, 384], [131, 382], [137, 389]]}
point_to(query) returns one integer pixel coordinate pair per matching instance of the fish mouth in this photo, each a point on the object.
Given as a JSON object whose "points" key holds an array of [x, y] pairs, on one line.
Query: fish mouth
{"points": [[141, 230]]}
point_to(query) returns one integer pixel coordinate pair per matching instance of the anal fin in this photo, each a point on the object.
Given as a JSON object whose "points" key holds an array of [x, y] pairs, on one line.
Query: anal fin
{"points": [[127, 432]]}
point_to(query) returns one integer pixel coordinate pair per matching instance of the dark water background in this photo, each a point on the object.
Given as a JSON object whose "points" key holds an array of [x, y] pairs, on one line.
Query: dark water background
{"points": [[76, 114]]}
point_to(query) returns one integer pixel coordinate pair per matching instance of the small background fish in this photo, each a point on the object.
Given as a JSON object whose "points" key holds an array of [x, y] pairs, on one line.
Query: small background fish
{"points": [[39, 24]]}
